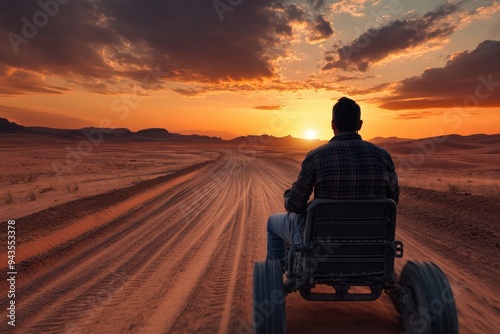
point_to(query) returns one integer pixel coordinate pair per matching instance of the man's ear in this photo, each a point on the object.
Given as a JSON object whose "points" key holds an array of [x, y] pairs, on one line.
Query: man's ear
{"points": [[333, 125], [360, 125]]}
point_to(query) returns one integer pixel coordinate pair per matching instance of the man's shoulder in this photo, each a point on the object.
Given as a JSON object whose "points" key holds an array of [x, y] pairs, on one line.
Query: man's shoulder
{"points": [[334, 145], [318, 150]]}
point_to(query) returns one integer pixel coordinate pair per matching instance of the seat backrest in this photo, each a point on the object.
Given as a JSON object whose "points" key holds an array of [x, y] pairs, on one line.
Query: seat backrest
{"points": [[351, 238]]}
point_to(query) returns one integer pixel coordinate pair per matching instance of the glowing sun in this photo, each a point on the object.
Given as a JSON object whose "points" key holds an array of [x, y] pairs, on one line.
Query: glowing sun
{"points": [[310, 134]]}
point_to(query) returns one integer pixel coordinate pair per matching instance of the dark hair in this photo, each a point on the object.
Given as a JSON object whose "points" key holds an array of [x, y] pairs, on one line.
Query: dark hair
{"points": [[346, 113]]}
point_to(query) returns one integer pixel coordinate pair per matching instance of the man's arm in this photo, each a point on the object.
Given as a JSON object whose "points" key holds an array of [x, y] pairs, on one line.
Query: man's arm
{"points": [[296, 199], [392, 190]]}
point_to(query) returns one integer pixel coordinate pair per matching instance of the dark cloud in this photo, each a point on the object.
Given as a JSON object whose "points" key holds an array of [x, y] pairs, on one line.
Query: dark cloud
{"points": [[322, 29], [414, 115], [319, 28], [274, 107], [379, 43], [341, 78], [98, 88], [376, 89], [188, 39], [295, 13], [106, 39], [187, 92], [316, 4], [18, 82], [70, 42], [94, 44], [469, 79]]}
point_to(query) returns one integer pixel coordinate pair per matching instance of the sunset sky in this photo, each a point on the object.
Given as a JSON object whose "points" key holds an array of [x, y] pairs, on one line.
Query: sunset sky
{"points": [[238, 67]]}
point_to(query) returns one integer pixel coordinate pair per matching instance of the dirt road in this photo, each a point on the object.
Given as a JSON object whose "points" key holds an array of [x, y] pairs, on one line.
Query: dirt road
{"points": [[178, 258]]}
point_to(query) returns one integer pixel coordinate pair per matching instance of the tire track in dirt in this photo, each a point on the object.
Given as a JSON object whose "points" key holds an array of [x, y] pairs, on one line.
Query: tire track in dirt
{"points": [[181, 261], [477, 307], [185, 256], [85, 273], [154, 257], [458, 232], [226, 221]]}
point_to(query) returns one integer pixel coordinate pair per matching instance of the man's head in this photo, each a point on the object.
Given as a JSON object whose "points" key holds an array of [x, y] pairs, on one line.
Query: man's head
{"points": [[346, 116]]}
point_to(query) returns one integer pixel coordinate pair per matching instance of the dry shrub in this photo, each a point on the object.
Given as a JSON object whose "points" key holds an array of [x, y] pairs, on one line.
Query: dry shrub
{"points": [[15, 179], [31, 178], [72, 187], [31, 196], [453, 188], [50, 187], [8, 197]]}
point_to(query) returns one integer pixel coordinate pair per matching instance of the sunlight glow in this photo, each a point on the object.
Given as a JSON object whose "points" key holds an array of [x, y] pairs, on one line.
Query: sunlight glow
{"points": [[311, 134]]}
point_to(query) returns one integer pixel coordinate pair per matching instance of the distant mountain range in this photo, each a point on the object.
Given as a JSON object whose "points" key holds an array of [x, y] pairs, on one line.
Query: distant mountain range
{"points": [[153, 134], [481, 142]]}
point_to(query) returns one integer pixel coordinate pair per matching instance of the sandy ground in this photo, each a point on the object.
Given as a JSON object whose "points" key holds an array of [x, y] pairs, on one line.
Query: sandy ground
{"points": [[173, 250]]}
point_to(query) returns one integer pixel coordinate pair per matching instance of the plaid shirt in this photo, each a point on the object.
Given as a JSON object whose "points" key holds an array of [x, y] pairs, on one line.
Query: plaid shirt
{"points": [[345, 168]]}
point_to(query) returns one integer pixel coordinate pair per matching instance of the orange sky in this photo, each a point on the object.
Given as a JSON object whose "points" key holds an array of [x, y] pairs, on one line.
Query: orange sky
{"points": [[417, 69]]}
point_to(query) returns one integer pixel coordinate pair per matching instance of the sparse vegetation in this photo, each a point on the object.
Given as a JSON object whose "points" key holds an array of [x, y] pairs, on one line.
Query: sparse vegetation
{"points": [[490, 189], [136, 180], [31, 178], [31, 196], [50, 187], [453, 188], [20, 178], [471, 188], [15, 179], [487, 187], [72, 187], [8, 197]]}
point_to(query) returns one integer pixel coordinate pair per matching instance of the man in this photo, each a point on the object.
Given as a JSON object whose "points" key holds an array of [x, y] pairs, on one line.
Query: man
{"points": [[345, 168]]}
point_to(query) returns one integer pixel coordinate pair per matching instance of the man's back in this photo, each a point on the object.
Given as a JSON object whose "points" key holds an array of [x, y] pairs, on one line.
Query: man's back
{"points": [[345, 168]]}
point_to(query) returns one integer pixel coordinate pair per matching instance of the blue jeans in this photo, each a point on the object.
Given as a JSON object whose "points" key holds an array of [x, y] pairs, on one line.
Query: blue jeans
{"points": [[283, 229]]}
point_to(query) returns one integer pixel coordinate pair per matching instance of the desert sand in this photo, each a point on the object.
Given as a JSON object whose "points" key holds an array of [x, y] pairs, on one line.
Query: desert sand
{"points": [[155, 237]]}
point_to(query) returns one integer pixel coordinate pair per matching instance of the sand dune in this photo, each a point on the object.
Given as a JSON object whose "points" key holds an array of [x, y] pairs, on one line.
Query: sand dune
{"points": [[443, 145], [174, 254]]}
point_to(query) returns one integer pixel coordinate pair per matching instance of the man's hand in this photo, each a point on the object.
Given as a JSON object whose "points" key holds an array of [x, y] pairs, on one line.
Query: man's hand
{"points": [[286, 194]]}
